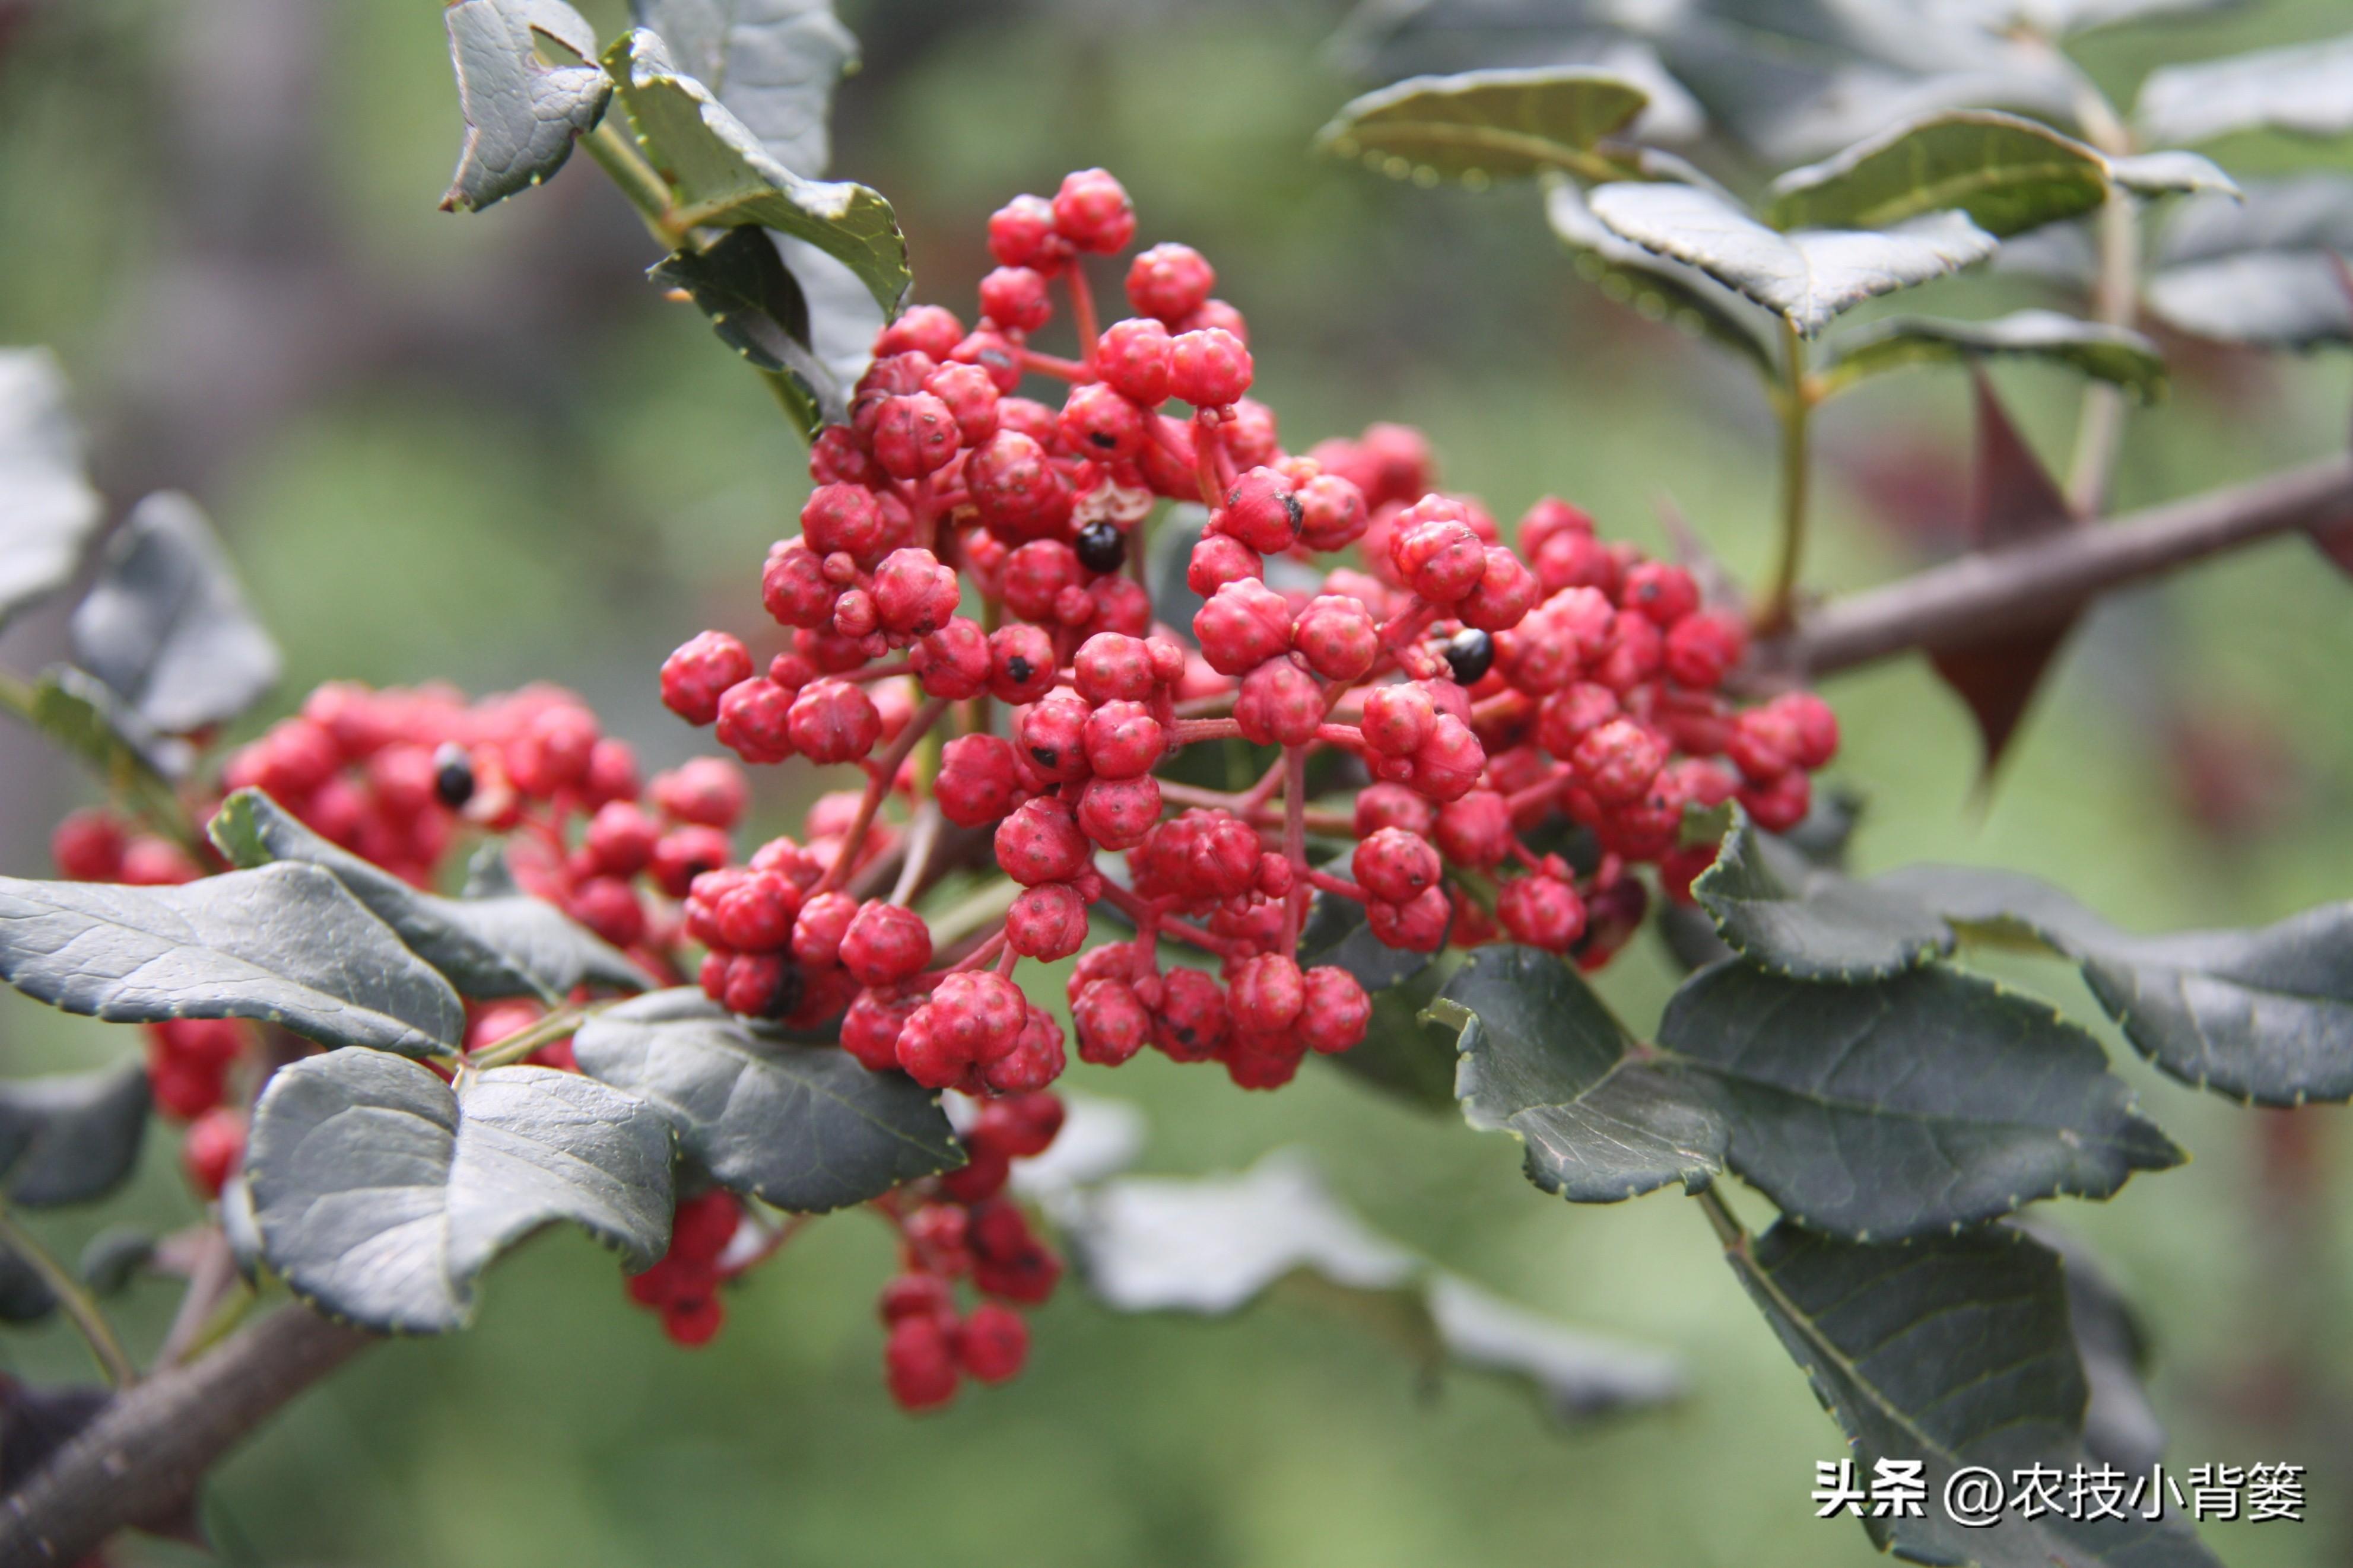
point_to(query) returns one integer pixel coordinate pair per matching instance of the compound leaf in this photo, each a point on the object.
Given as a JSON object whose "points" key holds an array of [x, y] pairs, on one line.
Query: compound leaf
{"points": [[1805, 920], [522, 113], [725, 178], [757, 307], [2306, 90], [1955, 1352], [1923, 1102], [512, 945], [48, 507], [1215, 1245], [71, 1137], [2008, 175], [1653, 285], [1808, 277], [803, 1127], [382, 1192], [2261, 271], [285, 944], [2117, 355], [1487, 124], [1542, 1060], [771, 63], [166, 626]]}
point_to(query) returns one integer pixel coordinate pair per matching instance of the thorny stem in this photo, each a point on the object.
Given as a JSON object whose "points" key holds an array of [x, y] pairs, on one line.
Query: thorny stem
{"points": [[76, 1302], [878, 785], [1796, 409]]}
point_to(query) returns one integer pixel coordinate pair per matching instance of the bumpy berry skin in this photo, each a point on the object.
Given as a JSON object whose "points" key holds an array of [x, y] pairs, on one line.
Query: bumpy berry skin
{"points": [[1111, 1023], [1266, 993], [1333, 1012], [1118, 814], [885, 944], [1092, 212], [1123, 740], [1419, 925], [1279, 705], [869, 1030], [1541, 911], [1099, 422], [1219, 559], [977, 780], [992, 1343], [914, 594], [696, 678], [756, 720], [1133, 360], [213, 1149], [1242, 625], [818, 930], [1191, 1022], [1021, 664], [1047, 922], [1169, 282], [833, 722], [1262, 511], [1394, 866], [1021, 233], [1616, 761], [1015, 299], [1041, 843], [1208, 369]]}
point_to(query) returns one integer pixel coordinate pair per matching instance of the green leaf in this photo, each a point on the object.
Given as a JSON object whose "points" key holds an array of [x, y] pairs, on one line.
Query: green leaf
{"points": [[772, 64], [723, 178], [71, 1137], [513, 945], [1542, 1060], [1925, 1102], [2264, 1015], [166, 626], [1808, 277], [2113, 355], [1401, 1053], [1953, 1351], [2121, 1426], [80, 713], [1655, 286], [2171, 173], [757, 307], [803, 1127], [522, 113], [2006, 173], [48, 507], [2306, 90], [1786, 914], [1215, 1245], [382, 1192], [239, 1228], [286, 944], [25, 1296], [1487, 124], [2263, 270]]}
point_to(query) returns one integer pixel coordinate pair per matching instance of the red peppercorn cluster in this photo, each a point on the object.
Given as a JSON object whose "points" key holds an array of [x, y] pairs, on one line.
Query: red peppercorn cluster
{"points": [[1488, 694], [683, 1285], [963, 1228]]}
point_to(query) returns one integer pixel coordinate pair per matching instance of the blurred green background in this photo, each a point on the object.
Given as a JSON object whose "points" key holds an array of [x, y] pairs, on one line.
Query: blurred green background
{"points": [[483, 448]]}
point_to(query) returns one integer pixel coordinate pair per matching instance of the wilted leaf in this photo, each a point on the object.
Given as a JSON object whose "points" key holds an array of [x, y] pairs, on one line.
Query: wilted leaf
{"points": [[522, 114], [48, 507], [1954, 1350], [286, 944], [1542, 1060], [772, 63], [725, 178], [2113, 355], [513, 945], [2262, 270], [1487, 124], [2306, 90], [1912, 1105], [1656, 286], [803, 1127], [71, 1137], [1215, 1245], [165, 624], [1810, 277], [382, 1192], [2012, 500], [757, 307], [1786, 914], [2008, 175]]}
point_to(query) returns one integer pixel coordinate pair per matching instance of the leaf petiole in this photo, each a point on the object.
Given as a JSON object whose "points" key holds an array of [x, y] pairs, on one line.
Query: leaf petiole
{"points": [[76, 1302]]}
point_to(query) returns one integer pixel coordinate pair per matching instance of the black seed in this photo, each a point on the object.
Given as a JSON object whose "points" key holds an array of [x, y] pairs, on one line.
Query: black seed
{"points": [[453, 775], [1105, 439], [1101, 547], [1018, 668], [788, 992], [1298, 513], [1469, 654], [1045, 755]]}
